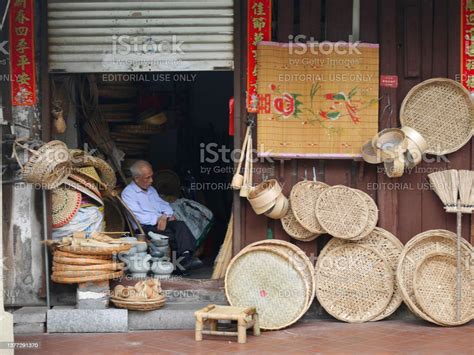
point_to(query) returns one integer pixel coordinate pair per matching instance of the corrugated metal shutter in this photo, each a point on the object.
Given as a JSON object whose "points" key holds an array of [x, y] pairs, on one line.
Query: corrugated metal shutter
{"points": [[125, 36]]}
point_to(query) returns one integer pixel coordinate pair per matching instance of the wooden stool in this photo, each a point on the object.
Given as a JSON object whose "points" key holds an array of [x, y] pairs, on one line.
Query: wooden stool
{"points": [[245, 317]]}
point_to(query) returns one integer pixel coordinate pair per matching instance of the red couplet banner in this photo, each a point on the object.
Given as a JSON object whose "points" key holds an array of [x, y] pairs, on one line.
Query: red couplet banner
{"points": [[259, 28], [22, 53], [467, 44]]}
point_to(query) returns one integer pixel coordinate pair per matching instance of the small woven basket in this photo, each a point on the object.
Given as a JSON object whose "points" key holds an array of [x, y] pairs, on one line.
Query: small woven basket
{"points": [[442, 111], [435, 289], [354, 283], [148, 305]]}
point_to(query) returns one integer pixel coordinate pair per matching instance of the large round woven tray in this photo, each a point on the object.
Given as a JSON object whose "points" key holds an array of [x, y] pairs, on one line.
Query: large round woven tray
{"points": [[263, 277], [389, 247], [372, 218], [303, 199], [342, 212], [354, 283], [435, 289], [421, 245], [96, 251], [101, 277], [442, 111], [148, 305], [295, 230], [297, 258]]}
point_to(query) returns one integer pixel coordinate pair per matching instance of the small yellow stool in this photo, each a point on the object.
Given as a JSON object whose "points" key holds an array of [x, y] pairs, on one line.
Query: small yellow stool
{"points": [[245, 317]]}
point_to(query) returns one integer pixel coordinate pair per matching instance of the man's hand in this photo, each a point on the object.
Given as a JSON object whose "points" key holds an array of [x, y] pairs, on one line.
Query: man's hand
{"points": [[171, 218], [161, 224]]}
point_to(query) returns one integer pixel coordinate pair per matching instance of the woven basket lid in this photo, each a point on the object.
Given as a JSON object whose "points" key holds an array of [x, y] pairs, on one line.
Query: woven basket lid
{"points": [[65, 204], [354, 283], [86, 190], [81, 159], [263, 278], [373, 216], [437, 240], [442, 111], [435, 289], [342, 212], [303, 199], [297, 257], [389, 247], [295, 230]]}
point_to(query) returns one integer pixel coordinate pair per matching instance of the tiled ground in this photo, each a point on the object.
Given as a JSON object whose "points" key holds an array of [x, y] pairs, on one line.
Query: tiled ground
{"points": [[326, 337]]}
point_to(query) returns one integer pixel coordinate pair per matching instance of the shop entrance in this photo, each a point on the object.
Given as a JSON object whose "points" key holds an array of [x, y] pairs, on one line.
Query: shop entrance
{"points": [[177, 121]]}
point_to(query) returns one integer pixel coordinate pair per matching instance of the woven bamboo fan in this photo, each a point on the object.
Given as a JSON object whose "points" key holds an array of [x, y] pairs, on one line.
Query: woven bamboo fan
{"points": [[296, 257], [342, 212], [435, 289], [415, 251], [354, 283], [303, 199], [442, 111], [389, 247], [295, 229], [373, 216], [261, 276]]}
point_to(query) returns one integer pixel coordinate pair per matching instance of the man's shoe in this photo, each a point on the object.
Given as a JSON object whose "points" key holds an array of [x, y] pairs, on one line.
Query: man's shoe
{"points": [[193, 264]]}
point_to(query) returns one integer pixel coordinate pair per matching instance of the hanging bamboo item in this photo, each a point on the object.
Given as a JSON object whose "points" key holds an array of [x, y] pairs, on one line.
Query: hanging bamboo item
{"points": [[238, 179]]}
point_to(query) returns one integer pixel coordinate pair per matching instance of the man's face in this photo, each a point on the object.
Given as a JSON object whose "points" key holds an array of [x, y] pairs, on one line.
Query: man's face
{"points": [[145, 179]]}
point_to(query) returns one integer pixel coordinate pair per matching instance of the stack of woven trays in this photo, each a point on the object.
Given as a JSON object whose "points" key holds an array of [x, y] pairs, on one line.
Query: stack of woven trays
{"points": [[74, 264], [316, 209], [426, 275], [355, 279], [146, 295], [274, 276]]}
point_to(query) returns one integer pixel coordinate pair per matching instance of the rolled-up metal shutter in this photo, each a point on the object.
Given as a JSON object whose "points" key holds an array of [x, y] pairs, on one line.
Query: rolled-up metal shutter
{"points": [[140, 36]]}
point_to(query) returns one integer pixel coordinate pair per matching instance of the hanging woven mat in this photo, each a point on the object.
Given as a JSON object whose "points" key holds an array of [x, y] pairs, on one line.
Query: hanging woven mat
{"points": [[442, 111], [373, 217], [295, 229], [96, 251], [354, 283], [389, 247], [297, 258], [421, 245], [435, 289], [342, 212], [303, 199], [261, 276]]}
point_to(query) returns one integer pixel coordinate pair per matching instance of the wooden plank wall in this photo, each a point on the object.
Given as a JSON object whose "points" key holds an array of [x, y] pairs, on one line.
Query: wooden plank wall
{"points": [[419, 39]]}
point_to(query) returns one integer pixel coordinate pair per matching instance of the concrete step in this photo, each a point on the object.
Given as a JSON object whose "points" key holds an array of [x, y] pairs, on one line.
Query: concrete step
{"points": [[29, 320], [173, 315]]}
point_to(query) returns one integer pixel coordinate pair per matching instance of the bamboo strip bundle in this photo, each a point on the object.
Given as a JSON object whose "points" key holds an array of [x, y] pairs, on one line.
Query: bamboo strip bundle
{"points": [[445, 184], [466, 189], [225, 252]]}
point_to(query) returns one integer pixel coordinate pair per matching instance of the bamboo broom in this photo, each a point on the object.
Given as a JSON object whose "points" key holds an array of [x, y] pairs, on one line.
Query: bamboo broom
{"points": [[225, 252]]}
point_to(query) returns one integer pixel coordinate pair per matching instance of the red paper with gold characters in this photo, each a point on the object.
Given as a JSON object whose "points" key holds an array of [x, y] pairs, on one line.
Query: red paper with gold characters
{"points": [[259, 28], [467, 44], [22, 53]]}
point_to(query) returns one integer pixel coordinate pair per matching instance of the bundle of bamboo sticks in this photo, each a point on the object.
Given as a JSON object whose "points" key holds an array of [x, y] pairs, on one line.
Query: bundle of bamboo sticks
{"points": [[225, 252]]}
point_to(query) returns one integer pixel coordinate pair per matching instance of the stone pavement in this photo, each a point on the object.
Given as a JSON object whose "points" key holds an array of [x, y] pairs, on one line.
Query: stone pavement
{"points": [[325, 337]]}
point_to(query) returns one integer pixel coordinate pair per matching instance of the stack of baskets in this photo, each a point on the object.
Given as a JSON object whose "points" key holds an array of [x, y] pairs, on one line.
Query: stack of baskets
{"points": [[316, 209], [274, 276], [85, 264], [267, 198], [355, 279], [144, 296], [426, 275]]}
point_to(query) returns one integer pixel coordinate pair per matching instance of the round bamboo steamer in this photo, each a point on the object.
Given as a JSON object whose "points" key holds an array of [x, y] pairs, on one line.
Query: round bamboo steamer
{"points": [[435, 289], [354, 283], [261, 276], [389, 247], [421, 245]]}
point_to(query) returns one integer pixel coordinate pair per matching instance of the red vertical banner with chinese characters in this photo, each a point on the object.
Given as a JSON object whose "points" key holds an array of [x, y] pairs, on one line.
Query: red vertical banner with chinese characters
{"points": [[259, 28], [22, 53], [467, 44]]}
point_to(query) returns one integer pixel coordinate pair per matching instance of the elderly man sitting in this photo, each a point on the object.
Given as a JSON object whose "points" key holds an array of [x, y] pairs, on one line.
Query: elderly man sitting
{"points": [[156, 215]]}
